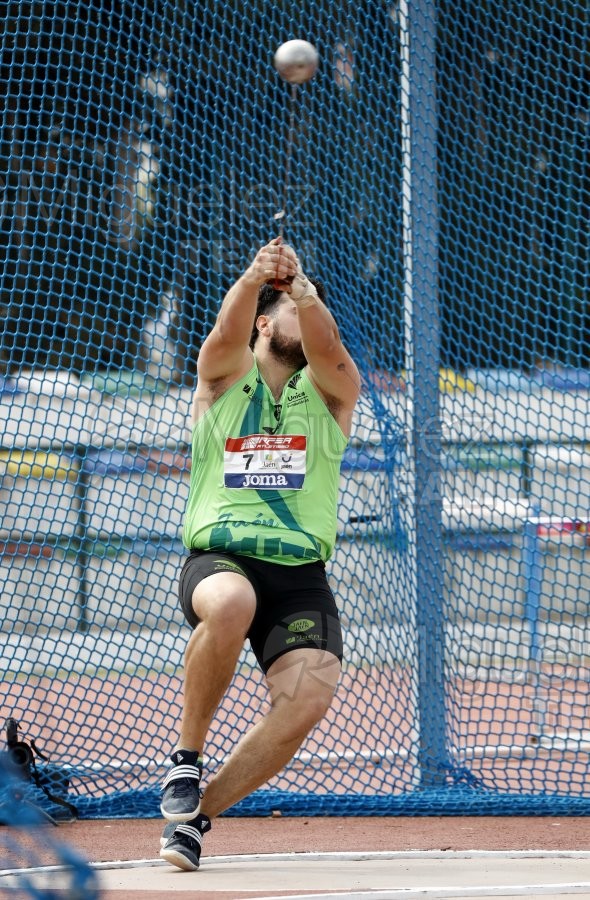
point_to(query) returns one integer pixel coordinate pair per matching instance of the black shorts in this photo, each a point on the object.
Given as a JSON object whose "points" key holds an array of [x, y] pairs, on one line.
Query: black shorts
{"points": [[295, 606]]}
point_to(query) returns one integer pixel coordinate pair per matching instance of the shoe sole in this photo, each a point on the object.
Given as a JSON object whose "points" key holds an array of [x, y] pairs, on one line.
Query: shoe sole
{"points": [[180, 817], [177, 859]]}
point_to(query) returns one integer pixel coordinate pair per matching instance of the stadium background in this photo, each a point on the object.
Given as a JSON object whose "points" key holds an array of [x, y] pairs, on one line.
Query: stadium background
{"points": [[440, 189]]}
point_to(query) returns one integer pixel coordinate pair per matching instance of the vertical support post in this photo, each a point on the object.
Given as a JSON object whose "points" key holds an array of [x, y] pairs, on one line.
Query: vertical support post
{"points": [[417, 20], [532, 555], [526, 471], [82, 539]]}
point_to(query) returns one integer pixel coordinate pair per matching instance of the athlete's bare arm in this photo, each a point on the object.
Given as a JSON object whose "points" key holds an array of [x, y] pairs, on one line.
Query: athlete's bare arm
{"points": [[330, 365]]}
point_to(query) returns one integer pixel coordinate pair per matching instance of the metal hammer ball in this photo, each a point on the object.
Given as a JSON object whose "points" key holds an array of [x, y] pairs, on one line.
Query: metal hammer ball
{"points": [[296, 61]]}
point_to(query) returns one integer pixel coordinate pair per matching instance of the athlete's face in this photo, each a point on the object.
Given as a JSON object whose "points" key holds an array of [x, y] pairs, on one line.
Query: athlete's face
{"points": [[285, 340]]}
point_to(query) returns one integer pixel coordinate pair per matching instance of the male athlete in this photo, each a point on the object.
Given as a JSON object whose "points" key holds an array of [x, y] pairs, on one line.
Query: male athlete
{"points": [[271, 417]]}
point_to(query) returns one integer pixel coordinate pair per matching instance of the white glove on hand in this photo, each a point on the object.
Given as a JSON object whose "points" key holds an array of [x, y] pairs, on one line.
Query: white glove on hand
{"points": [[302, 290]]}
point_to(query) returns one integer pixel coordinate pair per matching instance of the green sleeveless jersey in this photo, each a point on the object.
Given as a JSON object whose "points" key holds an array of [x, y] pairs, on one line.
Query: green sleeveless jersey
{"points": [[265, 475]]}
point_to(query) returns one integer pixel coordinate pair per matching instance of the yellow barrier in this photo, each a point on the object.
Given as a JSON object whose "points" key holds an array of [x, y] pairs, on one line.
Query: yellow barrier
{"points": [[38, 464]]}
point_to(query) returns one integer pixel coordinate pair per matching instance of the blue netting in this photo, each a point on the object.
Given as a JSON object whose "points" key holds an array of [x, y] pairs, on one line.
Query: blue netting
{"points": [[35, 861], [440, 190]]}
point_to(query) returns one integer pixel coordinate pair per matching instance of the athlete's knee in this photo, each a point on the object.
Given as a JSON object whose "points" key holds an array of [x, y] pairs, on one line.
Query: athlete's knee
{"points": [[313, 709], [302, 715], [227, 605], [303, 692]]}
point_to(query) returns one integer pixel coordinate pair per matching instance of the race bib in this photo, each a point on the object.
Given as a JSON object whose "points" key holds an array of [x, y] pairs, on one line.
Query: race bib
{"points": [[265, 462]]}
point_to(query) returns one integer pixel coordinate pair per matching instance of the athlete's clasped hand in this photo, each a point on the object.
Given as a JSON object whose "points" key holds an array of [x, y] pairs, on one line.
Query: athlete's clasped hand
{"points": [[276, 263]]}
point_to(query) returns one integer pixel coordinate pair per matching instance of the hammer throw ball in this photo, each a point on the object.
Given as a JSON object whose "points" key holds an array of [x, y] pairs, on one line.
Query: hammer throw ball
{"points": [[296, 61]]}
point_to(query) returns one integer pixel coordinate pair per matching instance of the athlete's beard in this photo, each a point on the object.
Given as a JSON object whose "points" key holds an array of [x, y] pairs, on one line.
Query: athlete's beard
{"points": [[287, 351]]}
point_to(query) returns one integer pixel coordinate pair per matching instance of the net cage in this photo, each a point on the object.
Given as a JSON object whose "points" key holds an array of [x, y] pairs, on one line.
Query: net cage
{"points": [[440, 189]]}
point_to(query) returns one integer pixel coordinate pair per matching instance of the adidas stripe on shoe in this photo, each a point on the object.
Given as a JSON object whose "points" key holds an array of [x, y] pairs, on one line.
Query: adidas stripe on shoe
{"points": [[183, 847], [181, 798]]}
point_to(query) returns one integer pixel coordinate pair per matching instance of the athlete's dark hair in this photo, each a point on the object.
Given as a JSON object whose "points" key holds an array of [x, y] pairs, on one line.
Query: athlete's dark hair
{"points": [[268, 300]]}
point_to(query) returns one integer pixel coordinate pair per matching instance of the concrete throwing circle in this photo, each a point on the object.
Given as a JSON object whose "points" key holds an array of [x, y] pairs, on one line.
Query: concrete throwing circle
{"points": [[318, 876]]}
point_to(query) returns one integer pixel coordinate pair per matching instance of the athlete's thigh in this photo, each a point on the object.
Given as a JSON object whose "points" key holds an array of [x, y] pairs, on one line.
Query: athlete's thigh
{"points": [[306, 679]]}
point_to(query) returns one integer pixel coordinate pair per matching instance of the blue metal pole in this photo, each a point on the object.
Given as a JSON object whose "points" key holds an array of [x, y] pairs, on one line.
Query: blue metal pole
{"points": [[533, 560], [423, 358]]}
